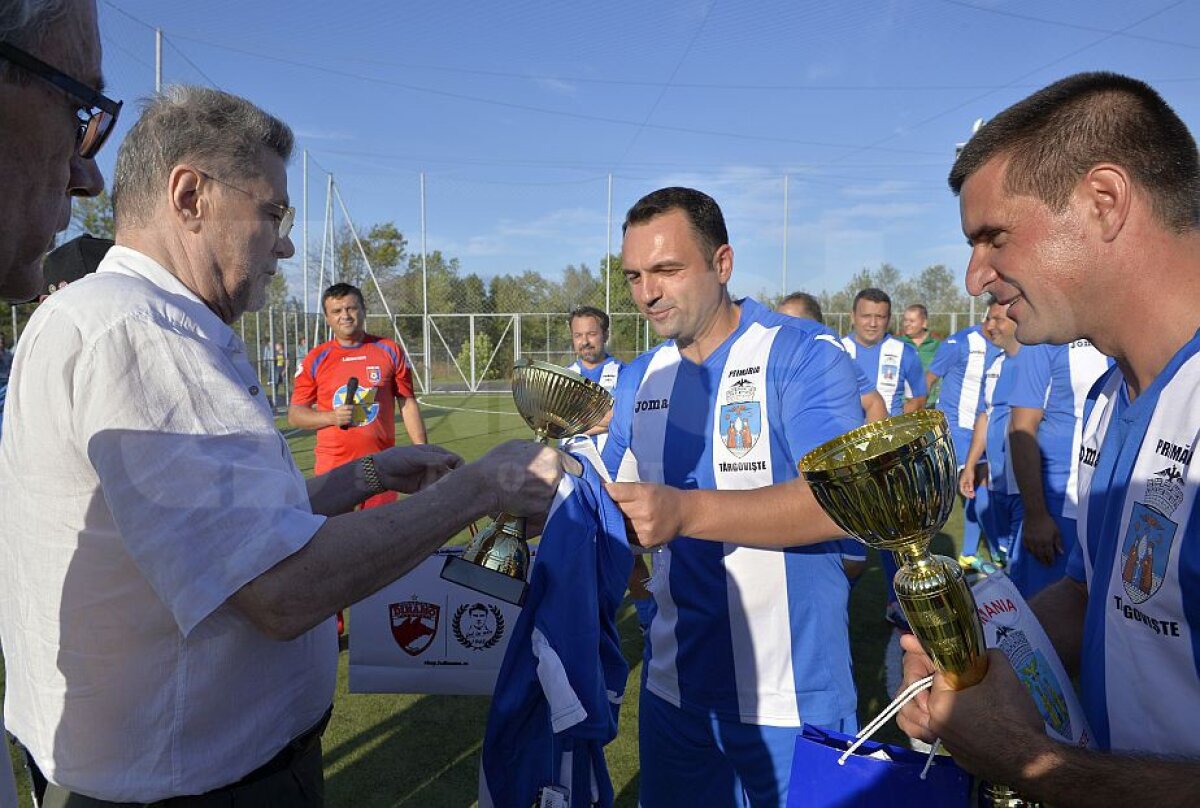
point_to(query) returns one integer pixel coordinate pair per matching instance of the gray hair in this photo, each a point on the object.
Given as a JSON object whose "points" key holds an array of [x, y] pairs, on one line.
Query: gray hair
{"points": [[222, 133], [25, 23]]}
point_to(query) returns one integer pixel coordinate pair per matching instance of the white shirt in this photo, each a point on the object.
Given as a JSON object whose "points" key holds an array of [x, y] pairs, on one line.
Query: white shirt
{"points": [[142, 483]]}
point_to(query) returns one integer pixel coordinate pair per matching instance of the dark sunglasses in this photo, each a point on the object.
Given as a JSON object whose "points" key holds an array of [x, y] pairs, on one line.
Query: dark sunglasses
{"points": [[98, 112]]}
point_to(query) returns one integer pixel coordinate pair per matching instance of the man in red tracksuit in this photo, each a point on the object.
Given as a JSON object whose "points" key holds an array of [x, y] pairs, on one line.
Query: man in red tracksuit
{"points": [[349, 430]]}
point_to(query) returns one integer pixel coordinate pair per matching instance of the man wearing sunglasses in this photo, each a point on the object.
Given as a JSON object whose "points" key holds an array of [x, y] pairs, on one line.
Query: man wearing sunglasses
{"points": [[55, 120], [182, 573], [42, 161]]}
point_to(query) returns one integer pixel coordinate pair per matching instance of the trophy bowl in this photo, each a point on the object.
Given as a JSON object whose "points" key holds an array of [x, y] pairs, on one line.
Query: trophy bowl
{"points": [[556, 403], [892, 485]]}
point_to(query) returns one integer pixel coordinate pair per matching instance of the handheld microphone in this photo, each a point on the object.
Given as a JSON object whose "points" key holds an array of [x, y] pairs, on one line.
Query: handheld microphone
{"points": [[351, 390]]}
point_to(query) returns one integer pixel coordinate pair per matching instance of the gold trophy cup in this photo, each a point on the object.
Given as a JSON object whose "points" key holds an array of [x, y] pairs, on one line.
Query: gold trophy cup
{"points": [[892, 485], [556, 403]]}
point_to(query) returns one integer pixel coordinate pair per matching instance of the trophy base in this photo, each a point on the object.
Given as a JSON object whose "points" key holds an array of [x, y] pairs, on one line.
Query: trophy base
{"points": [[994, 795], [488, 581]]}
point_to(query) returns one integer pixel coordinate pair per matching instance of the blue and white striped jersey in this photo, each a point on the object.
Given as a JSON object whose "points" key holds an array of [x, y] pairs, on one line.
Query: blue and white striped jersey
{"points": [[751, 635], [997, 391], [1139, 554], [1056, 379], [604, 374], [559, 690], [960, 361], [895, 367]]}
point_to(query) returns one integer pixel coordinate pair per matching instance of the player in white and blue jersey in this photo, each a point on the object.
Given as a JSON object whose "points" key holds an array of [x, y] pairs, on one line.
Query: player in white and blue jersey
{"points": [[751, 636], [1000, 512], [807, 307], [959, 362], [899, 377], [1050, 387], [1075, 226], [894, 366], [589, 340]]}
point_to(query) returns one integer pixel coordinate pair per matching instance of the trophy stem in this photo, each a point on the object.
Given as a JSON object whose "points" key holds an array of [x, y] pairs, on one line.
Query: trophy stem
{"points": [[941, 610]]}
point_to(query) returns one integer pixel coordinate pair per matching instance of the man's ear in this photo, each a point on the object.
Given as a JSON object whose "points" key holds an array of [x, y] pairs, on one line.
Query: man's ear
{"points": [[723, 262], [1107, 194], [185, 193]]}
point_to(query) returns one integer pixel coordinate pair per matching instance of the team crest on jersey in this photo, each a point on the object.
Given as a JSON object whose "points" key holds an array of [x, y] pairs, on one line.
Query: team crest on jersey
{"points": [[889, 371], [366, 408], [1147, 548], [741, 418], [1036, 673], [478, 626], [414, 624], [374, 374]]}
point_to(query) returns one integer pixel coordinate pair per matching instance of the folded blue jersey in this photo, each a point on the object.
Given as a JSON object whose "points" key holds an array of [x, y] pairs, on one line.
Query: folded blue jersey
{"points": [[559, 690]]}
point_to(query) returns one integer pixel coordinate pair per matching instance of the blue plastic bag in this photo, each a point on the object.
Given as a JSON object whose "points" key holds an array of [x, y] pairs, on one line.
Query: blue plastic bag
{"points": [[819, 782]]}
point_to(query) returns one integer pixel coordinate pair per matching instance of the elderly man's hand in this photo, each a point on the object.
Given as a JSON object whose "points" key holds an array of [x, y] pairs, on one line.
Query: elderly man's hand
{"points": [[409, 469], [521, 477], [653, 512]]}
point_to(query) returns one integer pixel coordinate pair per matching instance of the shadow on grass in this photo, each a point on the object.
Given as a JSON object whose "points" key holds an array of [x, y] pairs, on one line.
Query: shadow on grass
{"points": [[425, 754], [397, 750]]}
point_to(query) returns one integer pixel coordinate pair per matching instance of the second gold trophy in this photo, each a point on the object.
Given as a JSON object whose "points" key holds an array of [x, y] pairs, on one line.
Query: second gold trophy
{"points": [[556, 403], [892, 485]]}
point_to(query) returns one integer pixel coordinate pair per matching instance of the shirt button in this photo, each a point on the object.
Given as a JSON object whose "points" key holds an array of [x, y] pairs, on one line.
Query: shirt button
{"points": [[254, 390]]}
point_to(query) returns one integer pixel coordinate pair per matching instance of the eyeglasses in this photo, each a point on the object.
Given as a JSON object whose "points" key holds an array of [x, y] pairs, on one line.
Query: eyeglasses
{"points": [[287, 215], [98, 112]]}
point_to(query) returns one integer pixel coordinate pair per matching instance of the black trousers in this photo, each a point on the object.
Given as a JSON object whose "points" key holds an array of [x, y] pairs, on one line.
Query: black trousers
{"points": [[294, 778]]}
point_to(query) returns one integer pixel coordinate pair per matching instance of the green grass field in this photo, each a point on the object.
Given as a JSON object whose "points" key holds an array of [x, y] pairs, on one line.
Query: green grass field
{"points": [[398, 750]]}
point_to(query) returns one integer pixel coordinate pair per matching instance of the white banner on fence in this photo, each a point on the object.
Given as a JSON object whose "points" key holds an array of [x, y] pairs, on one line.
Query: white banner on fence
{"points": [[1010, 625], [422, 634]]}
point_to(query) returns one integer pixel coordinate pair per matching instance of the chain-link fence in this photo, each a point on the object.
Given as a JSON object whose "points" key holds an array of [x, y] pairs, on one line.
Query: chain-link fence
{"points": [[470, 352]]}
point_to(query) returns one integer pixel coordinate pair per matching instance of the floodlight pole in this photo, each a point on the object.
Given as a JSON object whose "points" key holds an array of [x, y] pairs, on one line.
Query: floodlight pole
{"points": [[157, 60], [304, 247], [784, 291], [425, 288], [608, 253]]}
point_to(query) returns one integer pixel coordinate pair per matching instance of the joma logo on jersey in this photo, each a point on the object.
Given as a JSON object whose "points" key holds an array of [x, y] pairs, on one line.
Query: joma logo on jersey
{"points": [[1088, 455], [650, 404]]}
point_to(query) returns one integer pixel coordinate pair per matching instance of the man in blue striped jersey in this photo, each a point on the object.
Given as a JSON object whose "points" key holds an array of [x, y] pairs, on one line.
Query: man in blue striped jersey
{"points": [[750, 638], [894, 366], [1082, 207], [959, 363]]}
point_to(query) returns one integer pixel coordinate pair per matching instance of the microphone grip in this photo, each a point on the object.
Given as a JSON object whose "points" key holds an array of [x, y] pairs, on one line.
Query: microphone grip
{"points": [[351, 391]]}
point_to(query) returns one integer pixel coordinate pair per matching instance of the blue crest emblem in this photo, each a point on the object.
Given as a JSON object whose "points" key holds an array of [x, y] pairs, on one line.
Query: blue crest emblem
{"points": [[741, 424], [1145, 552], [365, 409], [889, 372]]}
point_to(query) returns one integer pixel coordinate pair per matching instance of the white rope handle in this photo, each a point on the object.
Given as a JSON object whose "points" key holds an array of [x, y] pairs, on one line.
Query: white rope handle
{"points": [[902, 698]]}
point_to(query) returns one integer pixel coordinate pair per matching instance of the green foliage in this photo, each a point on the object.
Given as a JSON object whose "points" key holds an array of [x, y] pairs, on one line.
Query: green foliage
{"points": [[483, 352], [936, 286], [93, 215], [383, 249]]}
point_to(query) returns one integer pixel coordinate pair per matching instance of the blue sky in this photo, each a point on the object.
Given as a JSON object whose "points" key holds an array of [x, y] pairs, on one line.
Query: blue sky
{"points": [[518, 112]]}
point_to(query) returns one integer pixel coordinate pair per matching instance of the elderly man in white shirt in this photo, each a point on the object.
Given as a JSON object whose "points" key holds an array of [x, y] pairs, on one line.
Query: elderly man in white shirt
{"points": [[169, 576]]}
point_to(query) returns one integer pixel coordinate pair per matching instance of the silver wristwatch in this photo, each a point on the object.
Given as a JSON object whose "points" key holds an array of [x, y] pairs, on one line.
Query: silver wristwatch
{"points": [[371, 475]]}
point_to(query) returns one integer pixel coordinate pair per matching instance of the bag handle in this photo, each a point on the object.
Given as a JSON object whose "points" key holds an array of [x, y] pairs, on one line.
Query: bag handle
{"points": [[902, 698]]}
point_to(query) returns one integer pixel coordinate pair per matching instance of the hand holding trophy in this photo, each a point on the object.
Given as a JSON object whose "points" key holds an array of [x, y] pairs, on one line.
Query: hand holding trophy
{"points": [[556, 403]]}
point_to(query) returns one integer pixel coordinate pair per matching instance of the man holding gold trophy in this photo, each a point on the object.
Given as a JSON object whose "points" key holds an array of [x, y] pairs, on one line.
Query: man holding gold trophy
{"points": [[749, 639], [1082, 207]]}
